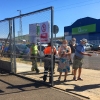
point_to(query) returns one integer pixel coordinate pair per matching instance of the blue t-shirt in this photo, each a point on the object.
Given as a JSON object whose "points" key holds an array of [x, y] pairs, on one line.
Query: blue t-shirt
{"points": [[79, 48]]}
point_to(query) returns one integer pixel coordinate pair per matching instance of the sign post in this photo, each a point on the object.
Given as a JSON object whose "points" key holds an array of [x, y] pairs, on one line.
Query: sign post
{"points": [[55, 31]]}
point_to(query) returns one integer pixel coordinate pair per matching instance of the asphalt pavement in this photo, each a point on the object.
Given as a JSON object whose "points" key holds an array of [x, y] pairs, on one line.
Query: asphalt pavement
{"points": [[16, 88]]}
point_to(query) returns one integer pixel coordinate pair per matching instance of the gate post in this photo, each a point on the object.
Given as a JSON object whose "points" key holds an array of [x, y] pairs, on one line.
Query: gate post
{"points": [[52, 17], [10, 43], [14, 48]]}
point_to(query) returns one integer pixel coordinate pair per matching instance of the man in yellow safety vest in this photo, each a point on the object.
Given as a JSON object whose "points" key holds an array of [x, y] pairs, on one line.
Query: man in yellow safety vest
{"points": [[34, 52]]}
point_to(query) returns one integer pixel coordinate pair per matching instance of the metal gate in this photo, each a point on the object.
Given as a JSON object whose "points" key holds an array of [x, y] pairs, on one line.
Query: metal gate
{"points": [[15, 30]]}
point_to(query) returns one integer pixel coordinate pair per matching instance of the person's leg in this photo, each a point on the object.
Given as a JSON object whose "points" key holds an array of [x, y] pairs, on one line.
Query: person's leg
{"points": [[65, 76], [72, 59], [45, 73], [79, 71], [35, 64], [32, 68], [75, 71], [60, 73], [75, 67], [46, 67]]}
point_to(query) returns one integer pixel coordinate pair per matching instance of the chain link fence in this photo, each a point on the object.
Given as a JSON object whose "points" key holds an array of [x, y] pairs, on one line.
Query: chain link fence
{"points": [[5, 41], [15, 42]]}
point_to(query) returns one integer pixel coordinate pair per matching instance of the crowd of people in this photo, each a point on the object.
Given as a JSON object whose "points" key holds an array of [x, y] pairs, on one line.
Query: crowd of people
{"points": [[68, 54]]}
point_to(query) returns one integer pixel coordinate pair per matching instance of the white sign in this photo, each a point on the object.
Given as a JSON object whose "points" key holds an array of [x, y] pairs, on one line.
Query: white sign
{"points": [[32, 29], [68, 38], [44, 32], [33, 33], [39, 32], [66, 33]]}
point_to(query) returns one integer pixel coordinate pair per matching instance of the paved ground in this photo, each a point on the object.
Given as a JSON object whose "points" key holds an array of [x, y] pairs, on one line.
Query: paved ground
{"points": [[15, 88], [92, 62], [89, 87]]}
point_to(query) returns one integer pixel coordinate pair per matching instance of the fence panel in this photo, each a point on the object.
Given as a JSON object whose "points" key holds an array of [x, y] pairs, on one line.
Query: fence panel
{"points": [[22, 41], [5, 42]]}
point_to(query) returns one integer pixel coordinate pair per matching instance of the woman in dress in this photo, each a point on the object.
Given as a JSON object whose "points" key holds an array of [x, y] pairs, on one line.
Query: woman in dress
{"points": [[64, 52]]}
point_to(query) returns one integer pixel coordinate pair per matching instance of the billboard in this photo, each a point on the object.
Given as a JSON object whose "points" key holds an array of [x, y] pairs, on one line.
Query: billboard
{"points": [[84, 29]]}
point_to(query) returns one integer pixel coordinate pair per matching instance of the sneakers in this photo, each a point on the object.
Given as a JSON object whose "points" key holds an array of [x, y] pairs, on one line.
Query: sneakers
{"points": [[50, 79], [44, 78], [32, 69], [37, 70]]}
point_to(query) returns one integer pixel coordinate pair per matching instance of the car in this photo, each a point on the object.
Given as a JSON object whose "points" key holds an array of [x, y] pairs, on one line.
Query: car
{"points": [[88, 46], [21, 49], [0, 46], [95, 47], [41, 48]]}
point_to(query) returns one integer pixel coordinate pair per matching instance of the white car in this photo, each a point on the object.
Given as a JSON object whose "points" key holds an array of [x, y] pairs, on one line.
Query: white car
{"points": [[87, 47]]}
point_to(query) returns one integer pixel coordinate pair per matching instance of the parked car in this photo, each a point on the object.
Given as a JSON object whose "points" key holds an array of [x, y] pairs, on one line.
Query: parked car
{"points": [[0, 46], [42, 48], [95, 47], [21, 49], [88, 46]]}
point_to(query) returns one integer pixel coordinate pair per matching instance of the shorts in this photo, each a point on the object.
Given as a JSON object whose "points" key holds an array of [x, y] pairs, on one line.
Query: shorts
{"points": [[63, 70], [77, 63]]}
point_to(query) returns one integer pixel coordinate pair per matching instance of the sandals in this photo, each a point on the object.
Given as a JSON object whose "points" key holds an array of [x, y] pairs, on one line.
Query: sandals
{"points": [[74, 78], [80, 79]]}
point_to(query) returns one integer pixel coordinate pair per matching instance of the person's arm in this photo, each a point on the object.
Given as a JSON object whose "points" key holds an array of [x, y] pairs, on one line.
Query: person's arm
{"points": [[55, 51], [68, 53], [38, 51], [85, 53], [59, 51], [30, 50], [98, 52], [81, 50]]}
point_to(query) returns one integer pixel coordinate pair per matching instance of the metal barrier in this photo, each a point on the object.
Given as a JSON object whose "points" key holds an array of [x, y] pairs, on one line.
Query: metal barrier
{"points": [[16, 29], [6, 38]]}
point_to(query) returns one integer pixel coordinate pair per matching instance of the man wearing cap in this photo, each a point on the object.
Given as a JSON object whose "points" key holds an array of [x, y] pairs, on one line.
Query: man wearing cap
{"points": [[78, 58], [34, 52]]}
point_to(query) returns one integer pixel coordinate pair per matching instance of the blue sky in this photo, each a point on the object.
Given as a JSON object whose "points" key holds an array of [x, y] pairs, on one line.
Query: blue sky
{"points": [[66, 12]]}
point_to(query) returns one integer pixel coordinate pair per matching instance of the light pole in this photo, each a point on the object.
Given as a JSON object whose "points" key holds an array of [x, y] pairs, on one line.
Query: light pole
{"points": [[20, 26]]}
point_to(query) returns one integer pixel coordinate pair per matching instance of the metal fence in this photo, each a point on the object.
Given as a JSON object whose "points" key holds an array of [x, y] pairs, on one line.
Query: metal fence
{"points": [[16, 30]]}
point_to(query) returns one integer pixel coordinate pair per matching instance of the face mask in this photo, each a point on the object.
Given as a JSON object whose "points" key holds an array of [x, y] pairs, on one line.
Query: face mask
{"points": [[73, 42], [64, 45]]}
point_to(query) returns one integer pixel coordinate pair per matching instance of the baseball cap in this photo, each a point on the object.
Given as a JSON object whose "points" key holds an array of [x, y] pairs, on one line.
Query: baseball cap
{"points": [[83, 40]]}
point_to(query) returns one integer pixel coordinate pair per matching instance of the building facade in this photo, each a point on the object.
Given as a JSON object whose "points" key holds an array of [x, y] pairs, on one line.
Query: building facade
{"points": [[87, 27]]}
